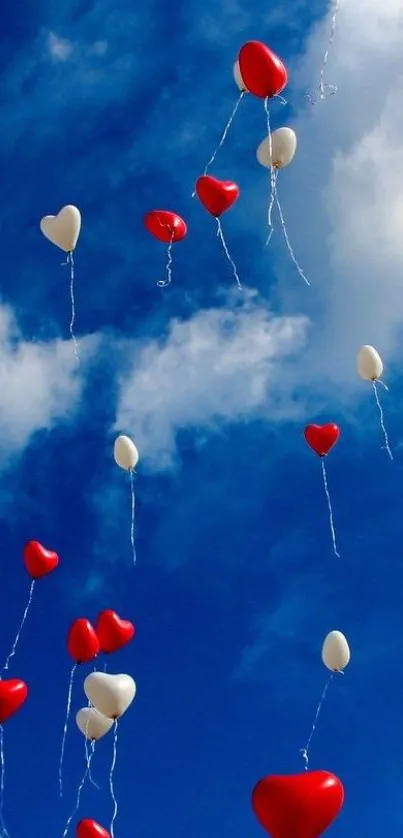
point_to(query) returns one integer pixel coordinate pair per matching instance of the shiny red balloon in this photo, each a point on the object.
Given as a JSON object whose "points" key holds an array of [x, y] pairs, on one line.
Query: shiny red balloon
{"points": [[38, 560], [166, 226], [113, 632], [82, 641], [298, 805], [321, 438], [262, 71], [13, 694], [87, 828], [217, 196]]}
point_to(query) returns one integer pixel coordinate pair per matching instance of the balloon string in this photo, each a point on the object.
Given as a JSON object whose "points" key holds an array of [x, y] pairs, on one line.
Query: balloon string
{"points": [[2, 780], [162, 283], [385, 433], [89, 752], [133, 510], [224, 135], [287, 240], [226, 251], [273, 175], [68, 706], [70, 261], [329, 505], [305, 751], [78, 798], [111, 773], [330, 88], [18, 635]]}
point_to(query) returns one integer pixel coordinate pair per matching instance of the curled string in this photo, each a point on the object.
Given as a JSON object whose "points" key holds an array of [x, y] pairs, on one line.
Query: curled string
{"points": [[111, 773], [162, 283], [133, 510], [330, 89], [70, 261], [226, 251], [287, 240], [89, 752], [18, 635], [273, 175], [68, 706], [2, 779], [78, 798], [224, 135], [305, 751], [329, 506], [385, 433]]}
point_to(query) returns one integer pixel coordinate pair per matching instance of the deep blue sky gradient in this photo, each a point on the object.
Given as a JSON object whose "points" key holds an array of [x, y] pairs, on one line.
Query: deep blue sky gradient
{"points": [[236, 584]]}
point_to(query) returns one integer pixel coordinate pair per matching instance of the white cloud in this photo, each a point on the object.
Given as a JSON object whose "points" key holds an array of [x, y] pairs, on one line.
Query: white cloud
{"points": [[345, 196], [221, 365], [60, 49], [39, 382]]}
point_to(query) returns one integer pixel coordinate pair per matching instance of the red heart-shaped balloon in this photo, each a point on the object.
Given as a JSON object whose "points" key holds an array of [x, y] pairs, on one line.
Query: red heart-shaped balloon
{"points": [[302, 805], [321, 438], [216, 195], [13, 693], [165, 225], [113, 632], [38, 560], [87, 828], [263, 73], [82, 641]]}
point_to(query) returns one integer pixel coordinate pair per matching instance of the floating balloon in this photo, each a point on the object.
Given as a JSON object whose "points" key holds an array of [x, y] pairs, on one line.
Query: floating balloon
{"points": [[370, 368], [88, 828], [322, 438], [113, 632], [63, 230], [217, 196], [13, 694], [126, 456], [112, 695], [335, 656], [83, 646], [335, 651], [263, 73], [278, 150], [302, 805], [167, 227], [38, 562], [92, 723], [82, 641], [238, 78]]}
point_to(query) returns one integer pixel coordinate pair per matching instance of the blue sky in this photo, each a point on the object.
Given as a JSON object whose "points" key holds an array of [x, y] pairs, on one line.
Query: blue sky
{"points": [[117, 110]]}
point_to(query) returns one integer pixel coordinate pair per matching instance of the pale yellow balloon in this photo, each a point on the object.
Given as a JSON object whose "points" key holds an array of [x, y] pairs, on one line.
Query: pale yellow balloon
{"points": [[282, 151], [335, 651], [63, 229], [110, 694], [236, 70], [125, 453], [369, 363], [92, 723]]}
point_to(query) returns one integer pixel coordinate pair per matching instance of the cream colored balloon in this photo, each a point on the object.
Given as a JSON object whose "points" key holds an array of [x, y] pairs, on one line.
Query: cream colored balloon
{"points": [[63, 229], [369, 363], [92, 723], [238, 78], [335, 651], [110, 694], [283, 148], [125, 453]]}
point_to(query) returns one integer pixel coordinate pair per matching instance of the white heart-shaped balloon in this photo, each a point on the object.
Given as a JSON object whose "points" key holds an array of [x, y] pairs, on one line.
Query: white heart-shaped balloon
{"points": [[110, 694], [282, 144], [63, 229], [125, 453], [92, 723]]}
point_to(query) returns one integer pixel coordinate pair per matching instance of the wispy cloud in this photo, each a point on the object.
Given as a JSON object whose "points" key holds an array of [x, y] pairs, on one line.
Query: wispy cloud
{"points": [[60, 49], [220, 365]]}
